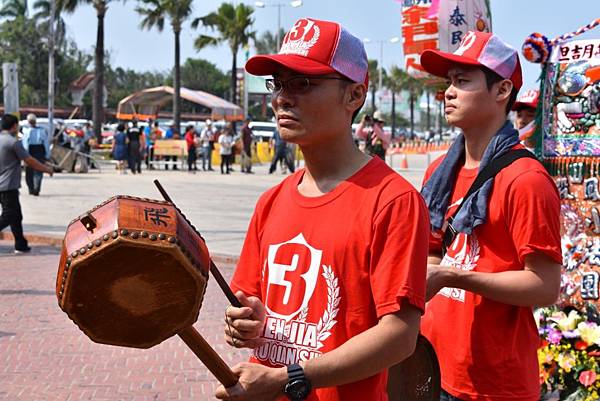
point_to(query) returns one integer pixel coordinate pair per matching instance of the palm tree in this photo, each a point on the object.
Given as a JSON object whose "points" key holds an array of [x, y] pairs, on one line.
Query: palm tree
{"points": [[43, 15], [154, 15], [14, 8], [101, 7], [394, 82], [267, 42], [414, 87], [373, 81], [233, 24]]}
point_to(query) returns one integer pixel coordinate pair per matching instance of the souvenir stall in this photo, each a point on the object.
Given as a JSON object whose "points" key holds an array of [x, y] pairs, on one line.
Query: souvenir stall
{"points": [[567, 140]]}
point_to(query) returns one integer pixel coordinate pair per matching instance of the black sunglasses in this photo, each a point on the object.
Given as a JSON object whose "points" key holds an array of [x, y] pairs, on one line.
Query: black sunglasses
{"points": [[295, 85]]}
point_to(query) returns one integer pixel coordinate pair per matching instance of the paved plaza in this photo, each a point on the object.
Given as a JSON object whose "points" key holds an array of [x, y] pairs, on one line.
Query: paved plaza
{"points": [[220, 206], [45, 357]]}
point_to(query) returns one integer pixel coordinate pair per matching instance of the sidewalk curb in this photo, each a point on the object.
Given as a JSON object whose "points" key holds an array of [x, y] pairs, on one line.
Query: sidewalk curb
{"points": [[52, 240]]}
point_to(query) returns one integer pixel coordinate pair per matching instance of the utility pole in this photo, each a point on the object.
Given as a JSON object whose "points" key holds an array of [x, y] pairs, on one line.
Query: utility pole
{"points": [[380, 85], [51, 72]]}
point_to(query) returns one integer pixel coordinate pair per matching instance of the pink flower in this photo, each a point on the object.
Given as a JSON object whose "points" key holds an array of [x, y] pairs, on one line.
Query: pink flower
{"points": [[554, 336], [587, 377]]}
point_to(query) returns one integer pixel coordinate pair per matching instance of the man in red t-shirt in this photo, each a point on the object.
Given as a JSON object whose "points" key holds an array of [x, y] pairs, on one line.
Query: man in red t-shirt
{"points": [[525, 108], [332, 272], [505, 258]]}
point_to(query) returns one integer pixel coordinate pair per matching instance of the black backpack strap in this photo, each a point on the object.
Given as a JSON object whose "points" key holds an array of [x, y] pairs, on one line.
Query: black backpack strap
{"points": [[488, 172]]}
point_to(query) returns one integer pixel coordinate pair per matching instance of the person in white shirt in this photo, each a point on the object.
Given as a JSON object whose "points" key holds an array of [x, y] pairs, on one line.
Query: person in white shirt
{"points": [[207, 138], [226, 142], [36, 141]]}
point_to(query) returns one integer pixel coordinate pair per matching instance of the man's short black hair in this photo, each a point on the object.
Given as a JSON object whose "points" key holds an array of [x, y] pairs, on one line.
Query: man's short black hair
{"points": [[491, 78], [9, 121]]}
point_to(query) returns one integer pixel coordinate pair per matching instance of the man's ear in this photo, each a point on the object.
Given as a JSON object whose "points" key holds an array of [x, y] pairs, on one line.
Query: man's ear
{"points": [[355, 96], [505, 88]]}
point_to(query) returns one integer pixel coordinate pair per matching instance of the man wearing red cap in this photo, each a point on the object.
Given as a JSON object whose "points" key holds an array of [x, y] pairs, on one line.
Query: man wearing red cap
{"points": [[332, 273], [495, 248], [525, 108]]}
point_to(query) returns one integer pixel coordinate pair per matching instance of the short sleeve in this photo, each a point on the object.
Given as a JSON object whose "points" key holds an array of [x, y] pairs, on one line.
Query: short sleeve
{"points": [[399, 254], [533, 215], [247, 275], [20, 151]]}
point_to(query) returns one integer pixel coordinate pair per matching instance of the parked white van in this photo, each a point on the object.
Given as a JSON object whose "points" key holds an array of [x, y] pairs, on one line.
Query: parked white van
{"points": [[263, 130]]}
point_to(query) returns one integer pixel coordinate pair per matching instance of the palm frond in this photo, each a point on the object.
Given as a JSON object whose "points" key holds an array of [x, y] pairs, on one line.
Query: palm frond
{"points": [[203, 41]]}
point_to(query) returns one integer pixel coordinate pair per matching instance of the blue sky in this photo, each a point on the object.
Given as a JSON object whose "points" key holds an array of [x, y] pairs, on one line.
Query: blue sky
{"points": [[133, 48]]}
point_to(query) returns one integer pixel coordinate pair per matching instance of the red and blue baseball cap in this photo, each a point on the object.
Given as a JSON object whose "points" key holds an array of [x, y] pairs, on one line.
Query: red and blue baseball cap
{"points": [[315, 47], [530, 98], [477, 49]]}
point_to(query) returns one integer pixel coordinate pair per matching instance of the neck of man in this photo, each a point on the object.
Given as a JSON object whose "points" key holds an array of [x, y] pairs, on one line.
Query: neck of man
{"points": [[328, 164], [478, 137]]}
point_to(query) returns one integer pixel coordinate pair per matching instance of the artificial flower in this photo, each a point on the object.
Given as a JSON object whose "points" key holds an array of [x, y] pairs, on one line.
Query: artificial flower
{"points": [[566, 361], [589, 332], [587, 377], [567, 322]]}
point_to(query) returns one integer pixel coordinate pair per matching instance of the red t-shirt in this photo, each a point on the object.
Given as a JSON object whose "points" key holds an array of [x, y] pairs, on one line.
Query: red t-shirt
{"points": [[328, 267], [487, 349]]}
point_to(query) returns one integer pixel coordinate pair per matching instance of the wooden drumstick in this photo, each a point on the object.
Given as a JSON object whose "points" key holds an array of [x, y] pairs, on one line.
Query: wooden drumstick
{"points": [[208, 356], [213, 268]]}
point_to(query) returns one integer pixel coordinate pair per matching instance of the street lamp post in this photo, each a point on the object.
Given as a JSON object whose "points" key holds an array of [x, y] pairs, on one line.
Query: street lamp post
{"points": [[395, 39], [51, 70], [294, 4]]}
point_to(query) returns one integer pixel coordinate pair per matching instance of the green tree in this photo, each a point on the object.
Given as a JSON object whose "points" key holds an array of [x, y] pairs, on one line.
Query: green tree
{"points": [[33, 62], [154, 13], [394, 81], [414, 87], [374, 80], [233, 24], [12, 9], [101, 7], [267, 42], [199, 74], [123, 82]]}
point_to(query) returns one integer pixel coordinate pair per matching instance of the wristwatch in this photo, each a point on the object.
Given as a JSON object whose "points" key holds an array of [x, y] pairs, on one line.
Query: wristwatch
{"points": [[298, 386]]}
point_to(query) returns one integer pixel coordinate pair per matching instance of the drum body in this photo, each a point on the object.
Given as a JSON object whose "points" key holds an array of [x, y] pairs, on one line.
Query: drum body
{"points": [[417, 378], [132, 272]]}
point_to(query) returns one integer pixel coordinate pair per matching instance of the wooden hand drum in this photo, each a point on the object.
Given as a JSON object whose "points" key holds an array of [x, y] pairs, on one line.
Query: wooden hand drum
{"points": [[417, 378], [133, 273]]}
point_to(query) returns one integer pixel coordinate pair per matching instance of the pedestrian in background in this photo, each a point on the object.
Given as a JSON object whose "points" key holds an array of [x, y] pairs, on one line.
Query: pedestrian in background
{"points": [[11, 154], [372, 132], [247, 139], [119, 148], [207, 138], [280, 152], [135, 144], [37, 143], [149, 142], [190, 140], [226, 150]]}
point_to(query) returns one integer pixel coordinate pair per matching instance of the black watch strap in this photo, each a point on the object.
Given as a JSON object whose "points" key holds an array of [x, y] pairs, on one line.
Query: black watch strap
{"points": [[298, 387], [295, 372]]}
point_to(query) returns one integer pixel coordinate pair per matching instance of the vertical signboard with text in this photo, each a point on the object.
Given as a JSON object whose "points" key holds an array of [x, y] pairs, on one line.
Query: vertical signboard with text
{"points": [[439, 24]]}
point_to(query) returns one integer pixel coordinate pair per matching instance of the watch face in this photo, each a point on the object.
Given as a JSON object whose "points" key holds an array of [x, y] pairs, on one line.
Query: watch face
{"points": [[297, 389]]}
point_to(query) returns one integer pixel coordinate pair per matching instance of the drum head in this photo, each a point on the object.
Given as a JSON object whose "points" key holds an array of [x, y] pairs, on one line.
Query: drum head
{"points": [[416, 378], [134, 296]]}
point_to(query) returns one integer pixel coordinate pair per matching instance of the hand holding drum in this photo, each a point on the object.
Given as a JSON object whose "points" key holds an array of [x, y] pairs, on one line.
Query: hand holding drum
{"points": [[133, 273]]}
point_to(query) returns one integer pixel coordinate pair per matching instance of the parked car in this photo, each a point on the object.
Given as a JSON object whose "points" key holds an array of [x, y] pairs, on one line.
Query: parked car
{"points": [[263, 130]]}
